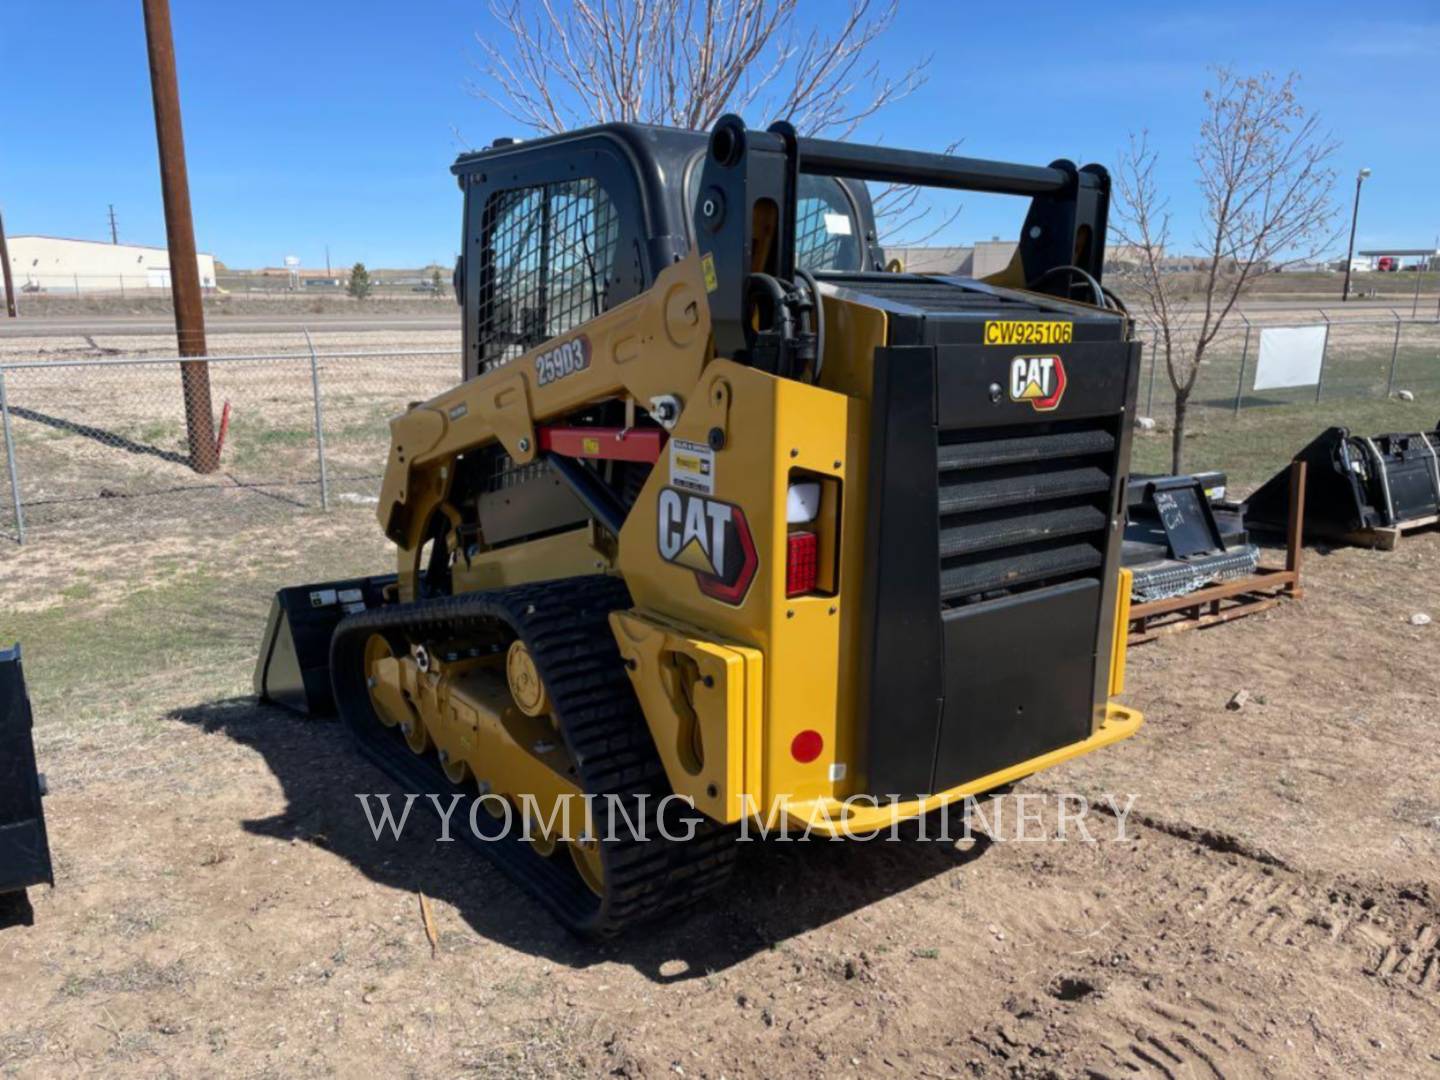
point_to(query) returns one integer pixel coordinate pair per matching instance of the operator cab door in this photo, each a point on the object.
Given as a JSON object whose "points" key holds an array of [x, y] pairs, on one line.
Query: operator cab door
{"points": [[553, 238]]}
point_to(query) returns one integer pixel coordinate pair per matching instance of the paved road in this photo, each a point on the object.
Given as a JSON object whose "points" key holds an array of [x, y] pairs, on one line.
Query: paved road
{"points": [[134, 325]]}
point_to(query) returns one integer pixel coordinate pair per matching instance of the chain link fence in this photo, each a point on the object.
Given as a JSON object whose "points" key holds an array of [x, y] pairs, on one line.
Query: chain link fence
{"points": [[104, 444], [1369, 356]]}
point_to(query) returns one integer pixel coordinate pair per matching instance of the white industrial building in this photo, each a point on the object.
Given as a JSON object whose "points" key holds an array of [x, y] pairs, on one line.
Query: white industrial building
{"points": [[52, 264]]}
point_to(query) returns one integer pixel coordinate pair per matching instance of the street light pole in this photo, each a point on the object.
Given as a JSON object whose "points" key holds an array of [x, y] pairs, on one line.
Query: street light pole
{"points": [[1354, 218]]}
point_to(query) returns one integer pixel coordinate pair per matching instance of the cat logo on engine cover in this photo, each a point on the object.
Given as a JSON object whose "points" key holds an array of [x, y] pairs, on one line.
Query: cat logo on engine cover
{"points": [[1040, 380], [710, 537]]}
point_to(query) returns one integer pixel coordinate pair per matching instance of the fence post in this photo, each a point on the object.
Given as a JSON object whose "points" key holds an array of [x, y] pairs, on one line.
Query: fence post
{"points": [[319, 424], [1244, 355], [1394, 356], [122, 286], [1324, 347], [1150, 396], [10, 461]]}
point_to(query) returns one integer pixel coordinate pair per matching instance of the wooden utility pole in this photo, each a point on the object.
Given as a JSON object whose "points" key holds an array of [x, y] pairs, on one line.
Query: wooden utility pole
{"points": [[114, 233], [180, 235], [9, 281]]}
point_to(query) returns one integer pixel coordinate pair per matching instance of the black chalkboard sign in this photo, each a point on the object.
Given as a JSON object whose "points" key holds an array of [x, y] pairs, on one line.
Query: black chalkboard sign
{"points": [[1186, 518]]}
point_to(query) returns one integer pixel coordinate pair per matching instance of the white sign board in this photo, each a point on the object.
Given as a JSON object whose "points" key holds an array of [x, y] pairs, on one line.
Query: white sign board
{"points": [[1289, 356]]}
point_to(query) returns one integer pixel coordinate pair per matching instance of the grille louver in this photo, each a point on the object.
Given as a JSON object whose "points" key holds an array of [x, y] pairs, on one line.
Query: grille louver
{"points": [[1022, 510]]}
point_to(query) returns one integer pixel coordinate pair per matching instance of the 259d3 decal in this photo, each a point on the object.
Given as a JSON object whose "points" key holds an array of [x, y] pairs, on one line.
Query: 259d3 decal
{"points": [[564, 359], [710, 537]]}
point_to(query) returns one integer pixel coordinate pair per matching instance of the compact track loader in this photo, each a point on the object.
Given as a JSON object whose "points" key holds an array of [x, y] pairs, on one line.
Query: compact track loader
{"points": [[727, 508]]}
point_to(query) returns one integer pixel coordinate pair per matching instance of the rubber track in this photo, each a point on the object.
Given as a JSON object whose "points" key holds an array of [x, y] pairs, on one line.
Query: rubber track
{"points": [[565, 625]]}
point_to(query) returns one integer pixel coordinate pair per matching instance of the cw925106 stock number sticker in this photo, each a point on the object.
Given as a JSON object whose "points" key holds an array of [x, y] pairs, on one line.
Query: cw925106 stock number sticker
{"points": [[564, 359]]}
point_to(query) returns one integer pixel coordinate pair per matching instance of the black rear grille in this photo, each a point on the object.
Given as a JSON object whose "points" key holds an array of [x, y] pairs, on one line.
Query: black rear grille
{"points": [[1023, 487], [1008, 571], [1023, 508], [988, 532], [1025, 448]]}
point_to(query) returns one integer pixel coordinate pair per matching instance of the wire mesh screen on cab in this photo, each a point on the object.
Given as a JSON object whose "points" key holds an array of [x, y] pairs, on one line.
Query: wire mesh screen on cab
{"points": [[551, 248], [826, 234]]}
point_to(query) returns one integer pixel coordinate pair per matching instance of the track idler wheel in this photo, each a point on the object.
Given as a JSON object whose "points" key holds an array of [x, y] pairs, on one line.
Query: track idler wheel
{"points": [[526, 686], [455, 770], [586, 856], [392, 707]]}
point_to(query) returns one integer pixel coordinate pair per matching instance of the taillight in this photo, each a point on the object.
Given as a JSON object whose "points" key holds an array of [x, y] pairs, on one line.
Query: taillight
{"points": [[802, 563]]}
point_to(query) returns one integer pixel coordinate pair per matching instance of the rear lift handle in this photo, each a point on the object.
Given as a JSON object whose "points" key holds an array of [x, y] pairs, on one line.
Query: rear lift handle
{"points": [[826, 157], [1069, 211]]}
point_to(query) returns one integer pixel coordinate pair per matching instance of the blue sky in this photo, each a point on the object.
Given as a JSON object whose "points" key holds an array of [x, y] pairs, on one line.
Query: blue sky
{"points": [[314, 122]]}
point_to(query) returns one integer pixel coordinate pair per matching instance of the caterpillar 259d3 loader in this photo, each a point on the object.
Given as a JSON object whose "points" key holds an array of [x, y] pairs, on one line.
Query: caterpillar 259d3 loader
{"points": [[728, 509]]}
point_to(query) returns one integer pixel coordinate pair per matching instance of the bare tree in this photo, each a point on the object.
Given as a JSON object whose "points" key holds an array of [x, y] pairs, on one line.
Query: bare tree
{"points": [[559, 64], [1266, 181]]}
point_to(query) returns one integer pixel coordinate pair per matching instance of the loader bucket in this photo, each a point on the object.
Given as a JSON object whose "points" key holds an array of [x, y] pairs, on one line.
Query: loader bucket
{"points": [[1354, 484], [24, 848], [293, 668]]}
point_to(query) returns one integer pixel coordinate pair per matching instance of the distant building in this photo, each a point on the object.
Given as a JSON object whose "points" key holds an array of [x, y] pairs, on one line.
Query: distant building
{"points": [[1309, 267], [53, 264], [1395, 258], [1126, 258], [933, 260], [992, 256], [978, 260]]}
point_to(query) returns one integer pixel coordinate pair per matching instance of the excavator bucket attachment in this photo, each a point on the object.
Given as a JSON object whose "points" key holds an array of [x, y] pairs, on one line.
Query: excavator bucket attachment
{"points": [[293, 668], [24, 848]]}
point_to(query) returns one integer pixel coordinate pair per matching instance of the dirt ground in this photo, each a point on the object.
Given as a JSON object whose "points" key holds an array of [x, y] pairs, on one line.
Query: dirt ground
{"points": [[221, 907]]}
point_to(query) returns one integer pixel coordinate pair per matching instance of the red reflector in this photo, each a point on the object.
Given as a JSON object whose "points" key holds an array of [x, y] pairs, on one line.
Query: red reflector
{"points": [[806, 746], [802, 563]]}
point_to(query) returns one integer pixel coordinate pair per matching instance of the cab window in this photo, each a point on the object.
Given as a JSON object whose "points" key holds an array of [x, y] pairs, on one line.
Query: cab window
{"points": [[550, 250], [827, 236]]}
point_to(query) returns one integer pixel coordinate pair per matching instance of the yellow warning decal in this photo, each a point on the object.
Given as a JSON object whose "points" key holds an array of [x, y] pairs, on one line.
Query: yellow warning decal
{"points": [[1015, 332], [707, 267]]}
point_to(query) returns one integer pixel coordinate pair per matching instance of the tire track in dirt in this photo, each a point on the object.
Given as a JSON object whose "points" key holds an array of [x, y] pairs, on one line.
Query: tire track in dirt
{"points": [[1270, 907], [1266, 900], [1199, 918]]}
